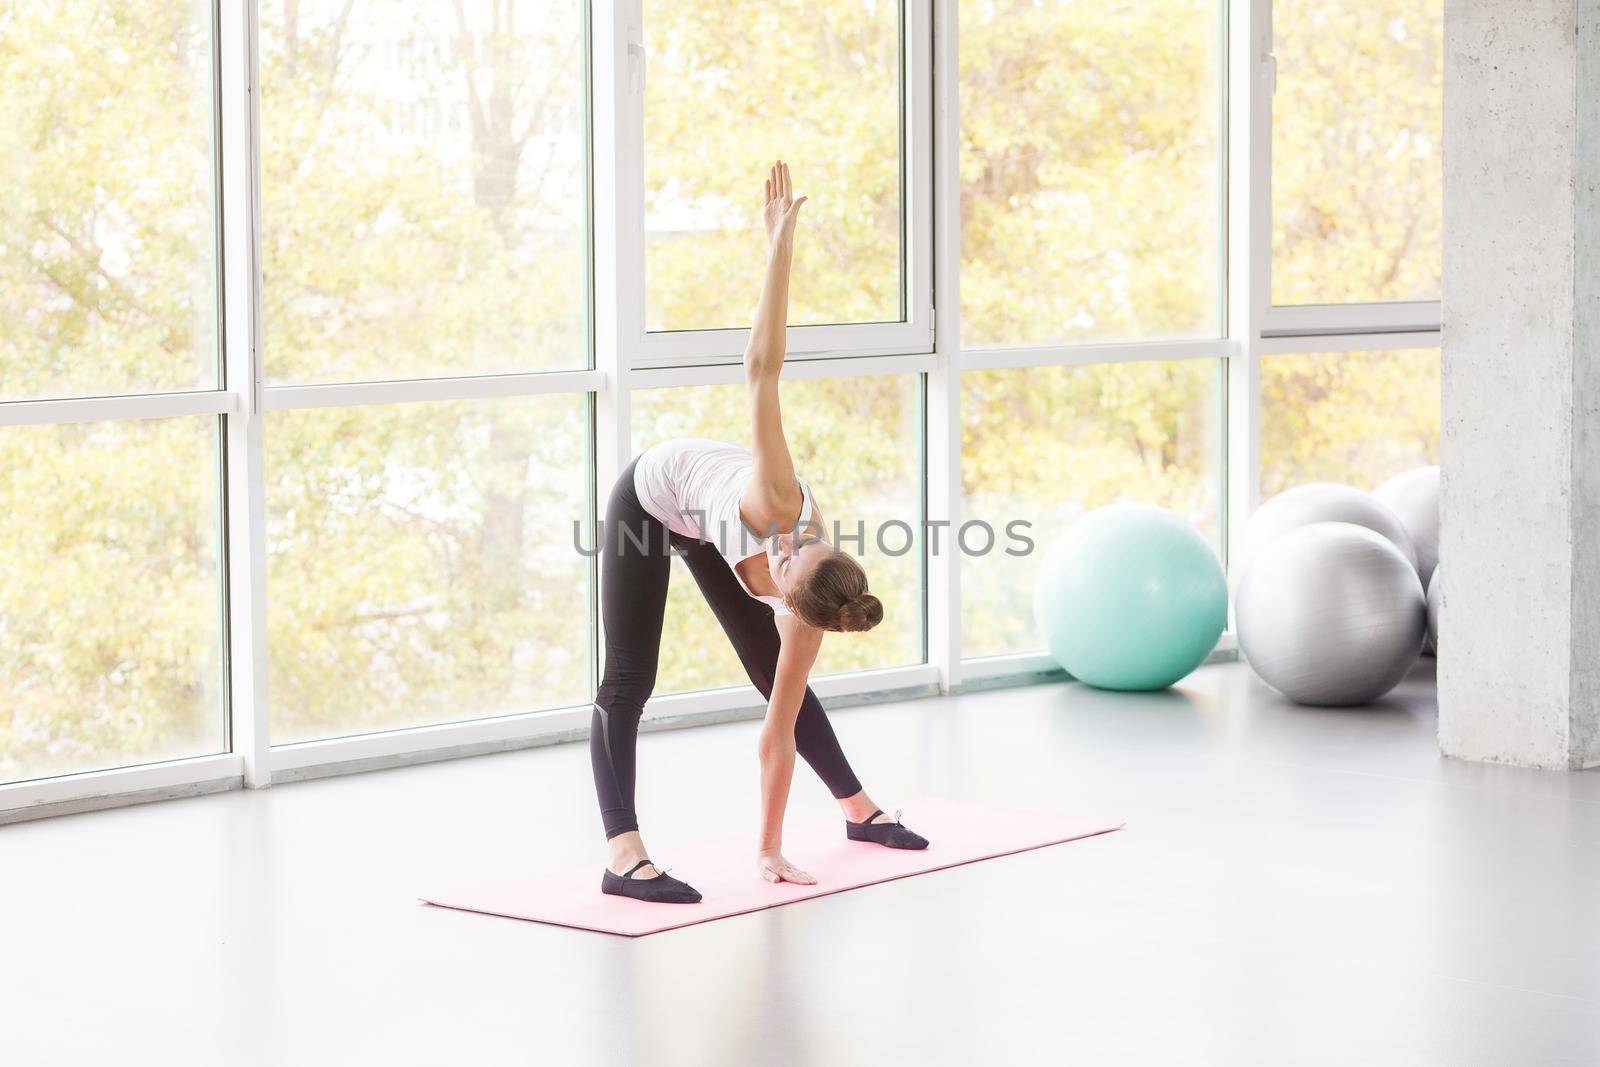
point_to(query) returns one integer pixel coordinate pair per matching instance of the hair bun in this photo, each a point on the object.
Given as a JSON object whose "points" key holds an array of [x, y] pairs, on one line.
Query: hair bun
{"points": [[860, 613]]}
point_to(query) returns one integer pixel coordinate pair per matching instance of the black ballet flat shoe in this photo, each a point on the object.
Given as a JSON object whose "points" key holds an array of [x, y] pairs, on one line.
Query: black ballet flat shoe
{"points": [[887, 834], [662, 889]]}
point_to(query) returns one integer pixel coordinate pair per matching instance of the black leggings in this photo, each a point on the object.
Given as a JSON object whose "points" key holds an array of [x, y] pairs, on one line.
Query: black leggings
{"points": [[635, 563]]}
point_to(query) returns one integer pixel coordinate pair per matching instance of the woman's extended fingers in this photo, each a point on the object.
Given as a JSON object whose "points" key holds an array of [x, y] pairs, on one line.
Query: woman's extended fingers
{"points": [[779, 186]]}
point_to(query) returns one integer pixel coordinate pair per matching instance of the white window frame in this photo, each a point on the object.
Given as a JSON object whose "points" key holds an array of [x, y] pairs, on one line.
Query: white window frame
{"points": [[1401, 316]]}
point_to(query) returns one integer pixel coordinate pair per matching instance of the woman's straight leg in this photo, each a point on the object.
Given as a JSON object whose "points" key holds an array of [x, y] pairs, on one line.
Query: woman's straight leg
{"points": [[749, 626], [634, 568]]}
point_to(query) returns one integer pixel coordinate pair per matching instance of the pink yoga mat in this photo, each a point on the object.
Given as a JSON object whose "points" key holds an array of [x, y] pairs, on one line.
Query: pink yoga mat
{"points": [[724, 871]]}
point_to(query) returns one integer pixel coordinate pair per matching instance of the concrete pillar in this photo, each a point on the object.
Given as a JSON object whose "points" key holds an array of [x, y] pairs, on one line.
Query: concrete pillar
{"points": [[1519, 655]]}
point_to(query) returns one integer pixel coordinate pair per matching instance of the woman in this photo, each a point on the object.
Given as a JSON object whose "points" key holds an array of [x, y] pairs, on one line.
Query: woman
{"points": [[753, 539]]}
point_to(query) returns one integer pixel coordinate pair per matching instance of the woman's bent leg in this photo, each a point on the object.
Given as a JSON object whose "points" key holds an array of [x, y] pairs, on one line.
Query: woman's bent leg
{"points": [[749, 626], [634, 568]]}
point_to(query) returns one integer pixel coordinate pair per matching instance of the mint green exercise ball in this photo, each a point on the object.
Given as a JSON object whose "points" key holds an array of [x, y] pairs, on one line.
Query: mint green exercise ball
{"points": [[1130, 597]]}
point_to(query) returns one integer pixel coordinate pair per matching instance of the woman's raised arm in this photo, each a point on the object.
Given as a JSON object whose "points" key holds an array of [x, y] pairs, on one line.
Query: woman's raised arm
{"points": [[772, 497]]}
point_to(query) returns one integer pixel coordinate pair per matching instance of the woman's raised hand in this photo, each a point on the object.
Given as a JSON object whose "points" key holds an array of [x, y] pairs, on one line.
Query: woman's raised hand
{"points": [[781, 207]]}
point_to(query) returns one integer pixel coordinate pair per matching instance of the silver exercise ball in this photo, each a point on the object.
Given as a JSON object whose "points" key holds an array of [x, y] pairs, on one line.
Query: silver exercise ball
{"points": [[1320, 502], [1414, 497], [1433, 610], [1332, 614]]}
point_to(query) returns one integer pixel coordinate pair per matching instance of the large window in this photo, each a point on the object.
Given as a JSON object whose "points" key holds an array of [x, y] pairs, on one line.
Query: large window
{"points": [[110, 547], [1357, 178], [422, 566], [424, 171], [423, 174], [1091, 213], [107, 227], [302, 436], [1090, 171], [1041, 446], [1356, 243], [857, 443], [733, 85], [110, 642]]}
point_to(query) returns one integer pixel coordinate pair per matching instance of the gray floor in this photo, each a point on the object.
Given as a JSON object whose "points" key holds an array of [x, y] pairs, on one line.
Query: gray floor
{"points": [[1294, 886]]}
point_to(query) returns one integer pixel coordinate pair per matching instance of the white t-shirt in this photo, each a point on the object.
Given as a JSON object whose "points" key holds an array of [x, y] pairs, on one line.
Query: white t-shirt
{"points": [[693, 485]]}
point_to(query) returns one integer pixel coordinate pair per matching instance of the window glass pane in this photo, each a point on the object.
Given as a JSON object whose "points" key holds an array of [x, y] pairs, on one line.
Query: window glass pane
{"points": [[868, 475], [1357, 181], [423, 188], [1091, 157], [1044, 445], [1352, 417], [110, 606], [107, 232], [421, 563], [734, 85]]}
